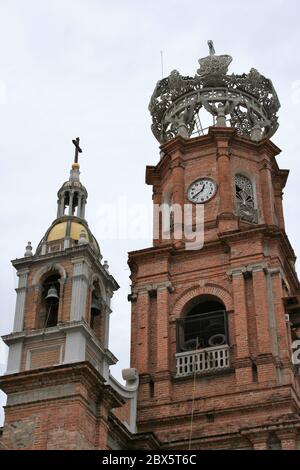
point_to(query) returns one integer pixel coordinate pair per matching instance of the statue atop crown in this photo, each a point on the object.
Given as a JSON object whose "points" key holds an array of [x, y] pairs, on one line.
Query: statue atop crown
{"points": [[213, 68]]}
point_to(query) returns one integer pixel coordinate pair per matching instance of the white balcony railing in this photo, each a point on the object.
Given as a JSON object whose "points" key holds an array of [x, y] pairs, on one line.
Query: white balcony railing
{"points": [[202, 360]]}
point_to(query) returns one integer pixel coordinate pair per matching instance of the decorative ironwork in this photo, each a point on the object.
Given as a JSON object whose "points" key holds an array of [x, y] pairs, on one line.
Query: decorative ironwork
{"points": [[249, 101], [202, 361], [245, 199]]}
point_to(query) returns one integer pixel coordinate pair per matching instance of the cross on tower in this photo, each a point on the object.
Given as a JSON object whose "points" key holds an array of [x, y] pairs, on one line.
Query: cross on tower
{"points": [[77, 149]]}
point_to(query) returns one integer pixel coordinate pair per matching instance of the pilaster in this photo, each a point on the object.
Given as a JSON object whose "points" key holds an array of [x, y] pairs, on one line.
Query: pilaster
{"points": [[79, 289], [21, 298]]}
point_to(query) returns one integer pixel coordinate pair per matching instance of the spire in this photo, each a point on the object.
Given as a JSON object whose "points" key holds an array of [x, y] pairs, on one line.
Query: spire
{"points": [[72, 195], [70, 227]]}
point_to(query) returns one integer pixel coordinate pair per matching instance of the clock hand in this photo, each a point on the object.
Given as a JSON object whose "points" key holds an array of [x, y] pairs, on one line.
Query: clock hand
{"points": [[195, 195]]}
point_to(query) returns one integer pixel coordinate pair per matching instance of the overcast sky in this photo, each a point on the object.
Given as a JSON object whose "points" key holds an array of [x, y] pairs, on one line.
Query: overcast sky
{"points": [[87, 68]]}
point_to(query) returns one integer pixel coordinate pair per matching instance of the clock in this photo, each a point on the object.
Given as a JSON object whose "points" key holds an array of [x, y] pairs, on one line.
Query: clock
{"points": [[202, 190]]}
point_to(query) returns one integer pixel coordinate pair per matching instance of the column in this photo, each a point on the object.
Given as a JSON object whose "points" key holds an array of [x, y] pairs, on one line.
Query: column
{"points": [[162, 376], [278, 204], [224, 180], [288, 438], [75, 346], [259, 441], [240, 313], [243, 370], [178, 197], [103, 426], [282, 327], [83, 203], [60, 318], [264, 328], [267, 193], [70, 203], [14, 357], [79, 206], [178, 179], [261, 306], [227, 220], [80, 282], [58, 208], [143, 339], [106, 313], [134, 330], [21, 298], [162, 329], [61, 206], [157, 225]]}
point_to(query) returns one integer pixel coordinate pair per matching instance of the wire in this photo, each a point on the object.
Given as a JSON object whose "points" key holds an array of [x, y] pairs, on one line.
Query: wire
{"points": [[193, 402], [48, 316]]}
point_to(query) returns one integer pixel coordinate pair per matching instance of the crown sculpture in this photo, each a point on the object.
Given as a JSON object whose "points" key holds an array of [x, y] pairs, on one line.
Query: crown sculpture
{"points": [[249, 101]]}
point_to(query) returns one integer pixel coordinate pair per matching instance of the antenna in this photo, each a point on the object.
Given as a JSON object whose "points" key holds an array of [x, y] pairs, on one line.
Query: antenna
{"points": [[162, 63]]}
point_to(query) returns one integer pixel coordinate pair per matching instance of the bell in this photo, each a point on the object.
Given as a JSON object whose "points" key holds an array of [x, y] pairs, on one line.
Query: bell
{"points": [[95, 306], [217, 340], [52, 294]]}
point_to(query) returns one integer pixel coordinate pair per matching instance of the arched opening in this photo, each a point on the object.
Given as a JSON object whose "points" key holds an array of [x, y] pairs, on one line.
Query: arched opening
{"points": [[95, 312], [204, 325], [75, 204], [66, 203], [71, 202], [49, 303]]}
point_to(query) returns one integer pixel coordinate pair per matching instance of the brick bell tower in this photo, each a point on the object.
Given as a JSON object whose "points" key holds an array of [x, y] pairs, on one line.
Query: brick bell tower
{"points": [[57, 378], [212, 328]]}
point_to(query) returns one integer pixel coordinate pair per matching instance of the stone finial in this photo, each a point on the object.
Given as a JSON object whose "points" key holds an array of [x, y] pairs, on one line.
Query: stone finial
{"points": [[28, 251], [106, 266], [83, 239]]}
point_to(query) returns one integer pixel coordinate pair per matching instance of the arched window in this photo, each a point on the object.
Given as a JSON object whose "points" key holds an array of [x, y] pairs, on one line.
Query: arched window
{"points": [[203, 326], [244, 195], [49, 302], [95, 313]]}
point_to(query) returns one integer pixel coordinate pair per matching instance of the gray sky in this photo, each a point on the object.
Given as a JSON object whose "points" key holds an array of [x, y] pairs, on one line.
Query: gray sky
{"points": [[88, 68]]}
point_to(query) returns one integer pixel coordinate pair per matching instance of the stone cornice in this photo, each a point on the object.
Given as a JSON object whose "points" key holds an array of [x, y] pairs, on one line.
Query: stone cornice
{"points": [[83, 251], [223, 133], [56, 331], [62, 374], [151, 289], [223, 140]]}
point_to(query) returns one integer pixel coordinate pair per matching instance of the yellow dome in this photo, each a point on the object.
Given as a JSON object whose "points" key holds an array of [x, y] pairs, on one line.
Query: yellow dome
{"points": [[70, 229], [76, 229], [59, 231]]}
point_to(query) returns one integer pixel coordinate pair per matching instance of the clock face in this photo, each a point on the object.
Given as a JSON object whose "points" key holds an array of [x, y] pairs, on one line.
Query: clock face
{"points": [[202, 190]]}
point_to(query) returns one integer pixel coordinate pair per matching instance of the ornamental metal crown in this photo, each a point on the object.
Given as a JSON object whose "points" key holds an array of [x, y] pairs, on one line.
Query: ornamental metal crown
{"points": [[247, 102]]}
